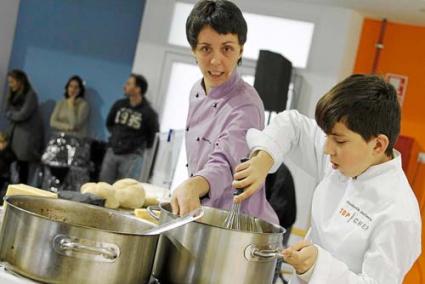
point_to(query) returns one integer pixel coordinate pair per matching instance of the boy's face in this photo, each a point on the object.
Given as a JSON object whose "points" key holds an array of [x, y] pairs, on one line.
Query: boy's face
{"points": [[349, 152], [3, 145]]}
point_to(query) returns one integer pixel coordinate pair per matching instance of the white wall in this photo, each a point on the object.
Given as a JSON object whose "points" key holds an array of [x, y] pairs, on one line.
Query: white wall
{"points": [[331, 59], [8, 17]]}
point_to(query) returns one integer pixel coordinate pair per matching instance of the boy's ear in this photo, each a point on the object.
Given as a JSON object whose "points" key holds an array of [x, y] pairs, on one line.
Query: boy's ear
{"points": [[381, 144]]}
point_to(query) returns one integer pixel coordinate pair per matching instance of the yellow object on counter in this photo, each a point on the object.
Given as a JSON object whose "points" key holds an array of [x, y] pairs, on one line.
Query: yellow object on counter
{"points": [[23, 189], [144, 214]]}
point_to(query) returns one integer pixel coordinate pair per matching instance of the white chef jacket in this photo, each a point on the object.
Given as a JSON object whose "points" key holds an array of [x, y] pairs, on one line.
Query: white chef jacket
{"points": [[367, 229]]}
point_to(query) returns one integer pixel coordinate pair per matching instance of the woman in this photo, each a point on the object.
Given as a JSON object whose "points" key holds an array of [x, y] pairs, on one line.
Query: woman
{"points": [[222, 108], [26, 125], [71, 114]]}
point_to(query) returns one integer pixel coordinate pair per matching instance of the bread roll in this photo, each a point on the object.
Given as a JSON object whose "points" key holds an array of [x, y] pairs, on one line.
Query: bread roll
{"points": [[122, 183], [104, 190], [130, 193]]}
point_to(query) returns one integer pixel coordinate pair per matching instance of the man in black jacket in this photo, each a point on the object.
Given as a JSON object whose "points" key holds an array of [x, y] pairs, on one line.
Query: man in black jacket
{"points": [[132, 123]]}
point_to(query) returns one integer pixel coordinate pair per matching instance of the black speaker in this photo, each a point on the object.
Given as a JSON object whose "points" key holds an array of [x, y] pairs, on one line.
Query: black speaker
{"points": [[272, 78]]}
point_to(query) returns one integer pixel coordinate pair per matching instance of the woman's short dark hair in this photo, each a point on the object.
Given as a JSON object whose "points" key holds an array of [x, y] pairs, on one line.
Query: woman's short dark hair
{"points": [[222, 15], [140, 82], [366, 104], [80, 82], [21, 77]]}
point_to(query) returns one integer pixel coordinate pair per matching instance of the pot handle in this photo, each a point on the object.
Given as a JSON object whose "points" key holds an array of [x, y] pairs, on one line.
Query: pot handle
{"points": [[253, 253], [151, 212], [86, 249]]}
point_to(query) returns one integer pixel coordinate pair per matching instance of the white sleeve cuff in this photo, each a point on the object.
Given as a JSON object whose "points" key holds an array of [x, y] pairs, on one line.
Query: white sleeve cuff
{"points": [[257, 140], [307, 275]]}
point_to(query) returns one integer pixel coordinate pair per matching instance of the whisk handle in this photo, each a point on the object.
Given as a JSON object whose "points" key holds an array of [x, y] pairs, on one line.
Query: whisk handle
{"points": [[239, 191]]}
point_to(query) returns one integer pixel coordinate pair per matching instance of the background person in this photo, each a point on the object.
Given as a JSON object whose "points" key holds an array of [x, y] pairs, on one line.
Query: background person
{"points": [[26, 126], [7, 157], [71, 114], [133, 124]]}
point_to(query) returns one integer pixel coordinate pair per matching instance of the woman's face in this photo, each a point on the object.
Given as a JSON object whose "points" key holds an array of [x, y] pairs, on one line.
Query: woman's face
{"points": [[217, 56], [14, 84], [73, 89]]}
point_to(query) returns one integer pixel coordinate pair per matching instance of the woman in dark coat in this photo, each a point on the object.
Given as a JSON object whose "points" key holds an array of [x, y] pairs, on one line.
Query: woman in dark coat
{"points": [[26, 125]]}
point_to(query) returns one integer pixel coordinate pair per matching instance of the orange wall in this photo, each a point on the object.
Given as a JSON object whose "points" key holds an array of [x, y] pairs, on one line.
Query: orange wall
{"points": [[404, 54]]}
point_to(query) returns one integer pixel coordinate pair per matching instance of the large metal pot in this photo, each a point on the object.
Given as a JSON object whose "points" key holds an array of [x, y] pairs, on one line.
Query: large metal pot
{"points": [[205, 252], [61, 241]]}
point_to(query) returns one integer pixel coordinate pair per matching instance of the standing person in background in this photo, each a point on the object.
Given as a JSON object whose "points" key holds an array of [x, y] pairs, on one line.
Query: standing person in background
{"points": [[26, 125], [133, 124], [222, 108], [72, 113], [365, 218], [7, 157]]}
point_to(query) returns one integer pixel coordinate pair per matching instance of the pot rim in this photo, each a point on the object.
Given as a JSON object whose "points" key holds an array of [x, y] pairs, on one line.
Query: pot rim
{"points": [[29, 197], [283, 230]]}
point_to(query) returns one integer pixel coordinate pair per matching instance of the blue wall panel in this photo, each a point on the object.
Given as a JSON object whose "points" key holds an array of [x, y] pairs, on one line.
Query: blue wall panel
{"points": [[94, 39]]}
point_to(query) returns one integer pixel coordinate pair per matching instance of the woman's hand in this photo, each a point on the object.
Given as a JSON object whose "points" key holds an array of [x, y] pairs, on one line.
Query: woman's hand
{"points": [[302, 256], [186, 197], [251, 174], [71, 101]]}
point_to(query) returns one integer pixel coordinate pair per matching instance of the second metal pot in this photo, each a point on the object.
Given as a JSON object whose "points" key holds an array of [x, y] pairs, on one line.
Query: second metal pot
{"points": [[206, 252], [60, 241]]}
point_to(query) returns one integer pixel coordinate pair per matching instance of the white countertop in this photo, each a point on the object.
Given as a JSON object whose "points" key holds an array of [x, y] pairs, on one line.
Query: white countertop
{"points": [[8, 277]]}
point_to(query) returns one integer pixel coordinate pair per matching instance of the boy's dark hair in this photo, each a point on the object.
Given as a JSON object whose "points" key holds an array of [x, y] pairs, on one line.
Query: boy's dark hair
{"points": [[80, 85], [140, 82], [21, 77], [366, 104], [222, 15]]}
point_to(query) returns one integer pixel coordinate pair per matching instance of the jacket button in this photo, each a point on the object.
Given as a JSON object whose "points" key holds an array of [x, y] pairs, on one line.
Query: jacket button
{"points": [[197, 95], [187, 165], [197, 139], [191, 175], [187, 128]]}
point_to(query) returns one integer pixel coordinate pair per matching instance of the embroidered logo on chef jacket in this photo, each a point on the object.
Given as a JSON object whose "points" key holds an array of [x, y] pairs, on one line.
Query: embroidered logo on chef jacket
{"points": [[355, 215]]}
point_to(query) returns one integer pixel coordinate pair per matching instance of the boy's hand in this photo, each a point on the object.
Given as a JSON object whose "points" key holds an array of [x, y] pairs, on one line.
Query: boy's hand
{"points": [[302, 256], [251, 174]]}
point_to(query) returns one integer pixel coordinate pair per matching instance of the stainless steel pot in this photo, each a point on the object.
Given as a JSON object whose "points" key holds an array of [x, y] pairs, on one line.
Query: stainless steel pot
{"points": [[206, 252], [61, 241]]}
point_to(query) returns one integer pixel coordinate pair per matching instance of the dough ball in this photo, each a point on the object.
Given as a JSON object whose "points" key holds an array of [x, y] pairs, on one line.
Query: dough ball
{"points": [[85, 187], [130, 195], [104, 190], [122, 183]]}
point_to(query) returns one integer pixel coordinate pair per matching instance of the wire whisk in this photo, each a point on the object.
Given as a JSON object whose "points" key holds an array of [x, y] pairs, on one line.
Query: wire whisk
{"points": [[241, 222], [235, 220], [232, 220]]}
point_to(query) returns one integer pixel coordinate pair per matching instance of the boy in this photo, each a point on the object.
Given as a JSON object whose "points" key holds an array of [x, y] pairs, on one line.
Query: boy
{"points": [[6, 158], [366, 225]]}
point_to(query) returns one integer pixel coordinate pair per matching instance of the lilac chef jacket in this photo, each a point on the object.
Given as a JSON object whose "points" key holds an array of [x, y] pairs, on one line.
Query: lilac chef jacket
{"points": [[215, 141]]}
